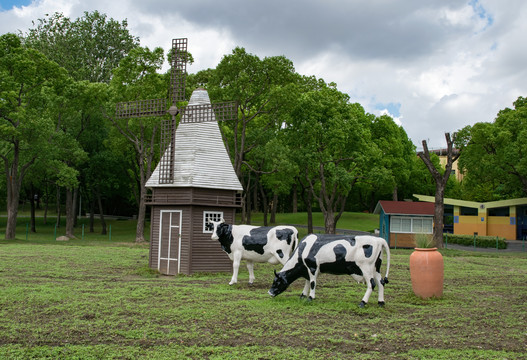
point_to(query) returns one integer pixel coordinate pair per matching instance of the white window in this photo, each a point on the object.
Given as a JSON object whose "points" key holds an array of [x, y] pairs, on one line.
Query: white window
{"points": [[395, 224], [209, 216], [401, 224]]}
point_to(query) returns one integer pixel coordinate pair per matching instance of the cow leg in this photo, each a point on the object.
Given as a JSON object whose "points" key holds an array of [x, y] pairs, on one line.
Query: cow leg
{"points": [[378, 278], [305, 292], [237, 257], [370, 283], [312, 284], [250, 267]]}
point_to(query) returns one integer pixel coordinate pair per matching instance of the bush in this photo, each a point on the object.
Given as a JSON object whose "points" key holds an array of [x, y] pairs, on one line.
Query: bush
{"points": [[481, 241]]}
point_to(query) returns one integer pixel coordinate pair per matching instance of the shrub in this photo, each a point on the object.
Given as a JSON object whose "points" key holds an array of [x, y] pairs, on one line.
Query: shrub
{"points": [[481, 241]]}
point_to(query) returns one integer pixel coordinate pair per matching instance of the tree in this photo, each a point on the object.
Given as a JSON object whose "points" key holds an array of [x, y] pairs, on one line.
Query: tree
{"points": [[137, 78], [27, 77], [441, 179], [259, 86], [333, 147], [395, 164], [495, 155], [89, 48]]}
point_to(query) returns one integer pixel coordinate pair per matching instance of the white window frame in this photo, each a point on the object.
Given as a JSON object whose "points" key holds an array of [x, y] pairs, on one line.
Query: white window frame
{"points": [[211, 216], [397, 222]]}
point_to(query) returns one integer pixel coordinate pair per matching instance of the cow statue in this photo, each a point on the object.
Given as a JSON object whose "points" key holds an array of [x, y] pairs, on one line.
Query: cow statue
{"points": [[359, 256], [254, 244]]}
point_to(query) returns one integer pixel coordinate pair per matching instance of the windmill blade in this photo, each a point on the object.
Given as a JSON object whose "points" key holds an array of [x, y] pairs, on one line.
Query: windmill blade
{"points": [[141, 108], [209, 112], [178, 75], [167, 147]]}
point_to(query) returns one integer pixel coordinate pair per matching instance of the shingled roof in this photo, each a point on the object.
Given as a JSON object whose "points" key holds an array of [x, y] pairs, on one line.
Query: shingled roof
{"points": [[405, 208], [201, 159]]}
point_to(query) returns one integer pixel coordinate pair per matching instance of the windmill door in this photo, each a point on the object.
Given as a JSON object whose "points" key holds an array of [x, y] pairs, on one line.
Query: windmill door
{"points": [[169, 242]]}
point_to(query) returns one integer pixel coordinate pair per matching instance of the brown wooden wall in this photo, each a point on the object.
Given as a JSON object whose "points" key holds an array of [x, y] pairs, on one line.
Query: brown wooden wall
{"points": [[199, 253], [194, 196], [401, 240], [206, 254]]}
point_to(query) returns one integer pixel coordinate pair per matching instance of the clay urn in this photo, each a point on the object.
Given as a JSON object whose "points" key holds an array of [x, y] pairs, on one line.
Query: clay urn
{"points": [[426, 272]]}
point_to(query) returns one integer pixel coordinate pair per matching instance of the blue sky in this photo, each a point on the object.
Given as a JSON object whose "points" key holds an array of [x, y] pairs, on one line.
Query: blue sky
{"points": [[8, 4], [435, 66]]}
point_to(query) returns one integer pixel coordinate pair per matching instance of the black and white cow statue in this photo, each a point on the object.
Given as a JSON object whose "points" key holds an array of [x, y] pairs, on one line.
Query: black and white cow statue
{"points": [[254, 244], [359, 256]]}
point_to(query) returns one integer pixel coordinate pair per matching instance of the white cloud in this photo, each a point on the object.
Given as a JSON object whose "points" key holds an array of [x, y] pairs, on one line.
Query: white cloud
{"points": [[447, 63]]}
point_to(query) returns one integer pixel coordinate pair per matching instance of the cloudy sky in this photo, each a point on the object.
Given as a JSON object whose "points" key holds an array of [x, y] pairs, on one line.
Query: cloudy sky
{"points": [[435, 66]]}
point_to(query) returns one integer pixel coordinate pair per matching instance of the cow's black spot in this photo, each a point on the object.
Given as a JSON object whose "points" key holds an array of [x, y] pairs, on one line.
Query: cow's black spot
{"points": [[256, 240], [285, 234], [372, 282], [340, 265], [378, 264], [280, 253], [312, 285], [224, 232], [368, 250]]}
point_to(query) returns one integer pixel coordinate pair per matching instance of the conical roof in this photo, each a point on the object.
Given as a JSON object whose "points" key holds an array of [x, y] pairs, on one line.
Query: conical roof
{"points": [[201, 159]]}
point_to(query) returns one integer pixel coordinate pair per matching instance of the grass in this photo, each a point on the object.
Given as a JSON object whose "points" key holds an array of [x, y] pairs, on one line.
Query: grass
{"points": [[349, 220], [117, 230], [69, 300]]}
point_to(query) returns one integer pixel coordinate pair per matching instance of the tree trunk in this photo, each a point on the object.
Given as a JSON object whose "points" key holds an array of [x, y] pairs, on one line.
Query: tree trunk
{"points": [[329, 222], [307, 196], [76, 206], [58, 206], [46, 205], [274, 206], [439, 214], [101, 212], [70, 214], [264, 203], [32, 207], [140, 230], [441, 181], [248, 205], [394, 194], [92, 211], [295, 199], [13, 197]]}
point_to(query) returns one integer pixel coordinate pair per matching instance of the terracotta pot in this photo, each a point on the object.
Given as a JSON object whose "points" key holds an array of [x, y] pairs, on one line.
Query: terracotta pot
{"points": [[426, 272]]}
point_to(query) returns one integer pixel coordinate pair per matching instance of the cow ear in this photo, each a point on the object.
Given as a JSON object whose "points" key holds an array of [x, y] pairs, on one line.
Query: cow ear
{"points": [[275, 274]]}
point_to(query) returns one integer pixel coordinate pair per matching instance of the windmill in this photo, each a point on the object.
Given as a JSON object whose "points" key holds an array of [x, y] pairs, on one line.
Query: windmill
{"points": [[161, 107], [194, 182]]}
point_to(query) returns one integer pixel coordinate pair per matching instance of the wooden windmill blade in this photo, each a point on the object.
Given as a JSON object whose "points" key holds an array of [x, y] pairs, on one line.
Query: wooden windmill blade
{"points": [[178, 76], [141, 108], [209, 112]]}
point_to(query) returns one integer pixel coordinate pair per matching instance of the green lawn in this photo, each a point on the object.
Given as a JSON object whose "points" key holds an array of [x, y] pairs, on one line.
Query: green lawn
{"points": [[66, 300], [124, 230]]}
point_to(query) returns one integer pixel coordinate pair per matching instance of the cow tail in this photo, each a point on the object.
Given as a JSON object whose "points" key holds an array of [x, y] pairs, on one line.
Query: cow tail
{"points": [[387, 248]]}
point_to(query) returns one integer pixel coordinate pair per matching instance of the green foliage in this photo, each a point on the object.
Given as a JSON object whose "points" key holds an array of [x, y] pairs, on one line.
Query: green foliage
{"points": [[424, 241], [89, 48], [480, 241], [494, 156]]}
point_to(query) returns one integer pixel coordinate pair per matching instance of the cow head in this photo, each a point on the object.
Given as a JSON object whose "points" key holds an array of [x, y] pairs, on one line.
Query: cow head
{"points": [[280, 283], [218, 228]]}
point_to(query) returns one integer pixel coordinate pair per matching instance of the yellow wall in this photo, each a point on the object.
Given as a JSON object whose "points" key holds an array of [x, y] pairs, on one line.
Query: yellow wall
{"points": [[443, 160], [486, 225], [500, 226]]}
